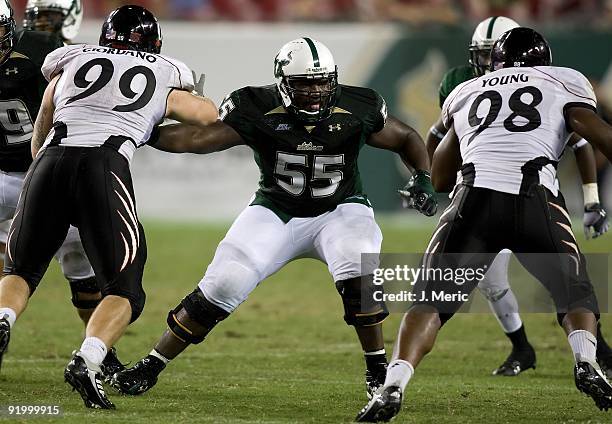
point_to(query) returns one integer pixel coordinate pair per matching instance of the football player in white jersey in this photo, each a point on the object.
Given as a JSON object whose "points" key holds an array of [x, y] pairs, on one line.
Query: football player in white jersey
{"points": [[495, 286], [62, 19], [101, 104], [507, 131]]}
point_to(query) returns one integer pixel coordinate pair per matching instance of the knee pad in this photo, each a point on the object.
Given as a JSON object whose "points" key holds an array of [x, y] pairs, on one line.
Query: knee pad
{"points": [[360, 308], [137, 305], [491, 294], [356, 257], [89, 286], [5, 225], [231, 277], [74, 262], [200, 311]]}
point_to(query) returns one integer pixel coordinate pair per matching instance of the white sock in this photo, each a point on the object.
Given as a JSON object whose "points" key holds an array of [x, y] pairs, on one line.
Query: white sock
{"points": [[399, 372], [584, 346], [94, 350], [9, 314], [159, 356], [506, 311]]}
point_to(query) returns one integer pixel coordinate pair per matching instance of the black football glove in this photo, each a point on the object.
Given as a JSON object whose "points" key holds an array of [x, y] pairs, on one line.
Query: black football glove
{"points": [[595, 218], [419, 194]]}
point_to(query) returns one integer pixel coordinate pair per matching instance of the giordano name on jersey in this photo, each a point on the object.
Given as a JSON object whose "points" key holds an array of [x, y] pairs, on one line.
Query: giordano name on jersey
{"points": [[109, 50]]}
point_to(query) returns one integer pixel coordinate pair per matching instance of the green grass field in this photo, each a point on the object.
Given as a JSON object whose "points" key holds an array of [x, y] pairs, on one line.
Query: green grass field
{"points": [[286, 354]]}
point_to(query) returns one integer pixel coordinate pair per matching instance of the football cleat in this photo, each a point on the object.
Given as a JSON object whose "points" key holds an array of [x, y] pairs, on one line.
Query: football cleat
{"points": [[517, 362], [5, 336], [605, 362], [384, 405], [375, 378], [111, 365], [85, 378], [593, 383], [140, 378]]}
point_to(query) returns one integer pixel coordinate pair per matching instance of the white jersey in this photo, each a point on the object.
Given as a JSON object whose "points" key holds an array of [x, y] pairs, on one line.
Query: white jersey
{"points": [[513, 119], [105, 92]]}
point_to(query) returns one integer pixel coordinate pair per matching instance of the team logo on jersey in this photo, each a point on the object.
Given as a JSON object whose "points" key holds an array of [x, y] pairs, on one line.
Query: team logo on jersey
{"points": [[9, 71], [226, 107], [336, 127], [309, 146], [284, 127]]}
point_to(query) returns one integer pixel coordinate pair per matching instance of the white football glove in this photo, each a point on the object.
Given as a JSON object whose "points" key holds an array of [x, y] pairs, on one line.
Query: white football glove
{"points": [[198, 88]]}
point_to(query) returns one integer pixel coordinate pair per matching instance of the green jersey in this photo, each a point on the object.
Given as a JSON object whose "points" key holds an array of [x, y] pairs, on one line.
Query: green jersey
{"points": [[306, 170], [21, 90], [453, 78]]}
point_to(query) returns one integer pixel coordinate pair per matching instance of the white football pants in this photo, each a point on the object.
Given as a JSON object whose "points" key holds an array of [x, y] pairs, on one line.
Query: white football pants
{"points": [[258, 244]]}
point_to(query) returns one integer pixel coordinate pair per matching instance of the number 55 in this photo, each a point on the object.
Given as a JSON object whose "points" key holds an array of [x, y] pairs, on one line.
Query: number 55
{"points": [[297, 179]]}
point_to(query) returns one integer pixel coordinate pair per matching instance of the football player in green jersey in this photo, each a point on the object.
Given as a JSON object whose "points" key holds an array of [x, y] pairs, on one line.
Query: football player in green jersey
{"points": [[495, 286], [306, 132], [60, 17], [21, 90]]}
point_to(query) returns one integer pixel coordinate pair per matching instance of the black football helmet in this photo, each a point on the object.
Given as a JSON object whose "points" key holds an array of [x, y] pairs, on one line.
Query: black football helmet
{"points": [[132, 28], [7, 30], [520, 47]]}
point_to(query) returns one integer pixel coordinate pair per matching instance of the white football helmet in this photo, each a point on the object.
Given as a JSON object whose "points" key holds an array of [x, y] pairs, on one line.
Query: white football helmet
{"points": [[307, 79], [7, 23], [485, 35], [62, 17]]}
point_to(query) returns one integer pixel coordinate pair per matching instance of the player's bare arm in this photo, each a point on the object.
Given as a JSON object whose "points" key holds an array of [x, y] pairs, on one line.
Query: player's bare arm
{"points": [[434, 137], [406, 142], [587, 123], [184, 138], [44, 120], [446, 162], [402, 139], [190, 109], [591, 127], [585, 159]]}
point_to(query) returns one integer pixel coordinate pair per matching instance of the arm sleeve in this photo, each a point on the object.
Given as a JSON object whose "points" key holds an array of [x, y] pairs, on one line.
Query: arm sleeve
{"points": [[447, 113], [443, 91], [56, 60], [453, 103], [234, 111], [376, 119], [182, 76], [577, 90]]}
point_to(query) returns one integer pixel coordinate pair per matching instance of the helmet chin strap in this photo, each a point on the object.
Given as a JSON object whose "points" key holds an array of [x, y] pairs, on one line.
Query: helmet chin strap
{"points": [[307, 112]]}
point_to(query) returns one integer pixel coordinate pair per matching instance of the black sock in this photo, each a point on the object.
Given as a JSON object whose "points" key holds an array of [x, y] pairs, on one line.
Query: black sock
{"points": [[603, 349], [375, 362], [519, 339]]}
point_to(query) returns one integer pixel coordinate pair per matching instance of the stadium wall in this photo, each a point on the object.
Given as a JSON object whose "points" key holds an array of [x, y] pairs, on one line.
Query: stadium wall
{"points": [[405, 67]]}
